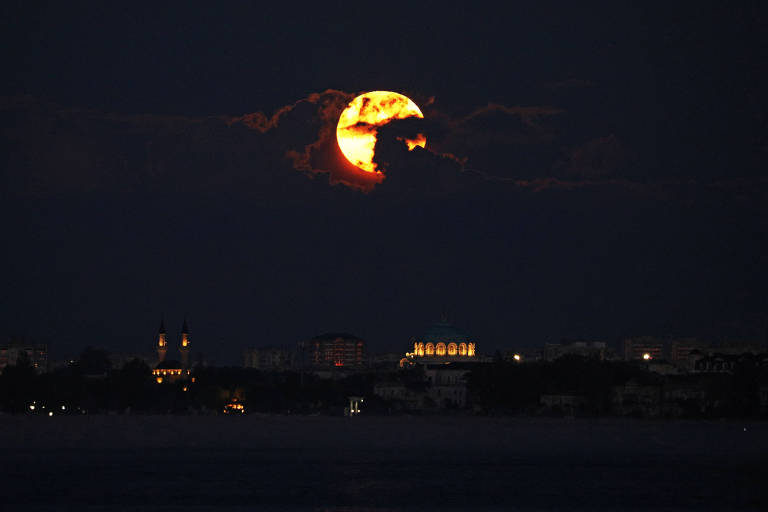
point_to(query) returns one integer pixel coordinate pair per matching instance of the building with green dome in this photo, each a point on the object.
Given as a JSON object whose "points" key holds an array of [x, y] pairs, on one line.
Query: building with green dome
{"points": [[441, 343]]}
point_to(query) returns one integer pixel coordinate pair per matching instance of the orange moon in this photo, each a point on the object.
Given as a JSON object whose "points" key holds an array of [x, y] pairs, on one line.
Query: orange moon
{"points": [[360, 121]]}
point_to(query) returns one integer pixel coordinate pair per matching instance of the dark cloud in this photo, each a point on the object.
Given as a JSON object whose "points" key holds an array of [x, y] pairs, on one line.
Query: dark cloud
{"points": [[599, 158], [494, 124], [53, 150], [510, 142], [306, 131]]}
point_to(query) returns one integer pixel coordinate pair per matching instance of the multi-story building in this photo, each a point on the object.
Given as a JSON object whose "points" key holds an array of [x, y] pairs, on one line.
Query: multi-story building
{"points": [[447, 384], [593, 349], [680, 349], [444, 385], [331, 350], [643, 348], [35, 353], [267, 358]]}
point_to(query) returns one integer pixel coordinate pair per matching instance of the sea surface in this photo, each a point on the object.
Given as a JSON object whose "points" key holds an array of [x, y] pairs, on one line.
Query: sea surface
{"points": [[360, 464]]}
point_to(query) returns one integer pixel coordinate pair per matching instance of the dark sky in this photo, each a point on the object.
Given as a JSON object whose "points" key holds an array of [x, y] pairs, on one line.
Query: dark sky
{"points": [[591, 172]]}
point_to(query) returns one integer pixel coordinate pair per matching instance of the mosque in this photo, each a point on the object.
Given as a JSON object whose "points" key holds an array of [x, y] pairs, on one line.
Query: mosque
{"points": [[441, 343], [170, 370]]}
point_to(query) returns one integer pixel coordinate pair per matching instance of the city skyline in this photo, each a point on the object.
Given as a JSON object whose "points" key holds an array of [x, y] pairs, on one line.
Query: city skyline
{"points": [[578, 185], [378, 256]]}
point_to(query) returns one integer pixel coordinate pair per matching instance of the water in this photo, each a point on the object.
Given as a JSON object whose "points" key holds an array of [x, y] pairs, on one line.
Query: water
{"points": [[379, 464]]}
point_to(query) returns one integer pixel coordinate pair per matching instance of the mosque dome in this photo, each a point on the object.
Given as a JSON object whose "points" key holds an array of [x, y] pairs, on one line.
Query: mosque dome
{"points": [[444, 342], [444, 332]]}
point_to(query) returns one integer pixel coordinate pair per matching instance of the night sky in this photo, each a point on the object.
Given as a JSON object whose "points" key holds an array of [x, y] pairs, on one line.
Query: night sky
{"points": [[591, 172]]}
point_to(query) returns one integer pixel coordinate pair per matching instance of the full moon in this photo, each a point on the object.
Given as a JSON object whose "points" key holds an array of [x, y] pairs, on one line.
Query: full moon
{"points": [[360, 121]]}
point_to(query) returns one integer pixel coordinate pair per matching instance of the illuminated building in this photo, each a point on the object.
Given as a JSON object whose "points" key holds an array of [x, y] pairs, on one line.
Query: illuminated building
{"points": [[441, 343], [36, 353], [331, 350], [354, 405], [643, 348], [447, 356], [684, 352], [170, 370], [185, 345], [234, 407], [162, 342]]}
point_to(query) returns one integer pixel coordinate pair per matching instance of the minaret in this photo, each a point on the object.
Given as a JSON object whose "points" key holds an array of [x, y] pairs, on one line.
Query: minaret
{"points": [[162, 344], [185, 345]]}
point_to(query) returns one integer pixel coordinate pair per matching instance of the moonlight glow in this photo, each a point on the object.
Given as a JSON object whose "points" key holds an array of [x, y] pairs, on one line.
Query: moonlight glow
{"points": [[359, 123]]}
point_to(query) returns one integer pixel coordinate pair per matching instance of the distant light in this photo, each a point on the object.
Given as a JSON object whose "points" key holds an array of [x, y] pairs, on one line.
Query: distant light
{"points": [[31, 407], [185, 388], [647, 356], [63, 408], [159, 380], [516, 357], [50, 413]]}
